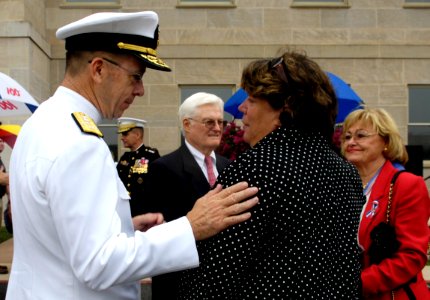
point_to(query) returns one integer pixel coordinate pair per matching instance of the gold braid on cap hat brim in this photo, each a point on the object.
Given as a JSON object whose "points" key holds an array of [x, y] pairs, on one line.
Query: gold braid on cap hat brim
{"points": [[127, 127], [149, 54], [132, 47]]}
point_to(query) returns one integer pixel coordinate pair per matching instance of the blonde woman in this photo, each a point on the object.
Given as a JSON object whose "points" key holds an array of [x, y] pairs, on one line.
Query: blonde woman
{"points": [[371, 141]]}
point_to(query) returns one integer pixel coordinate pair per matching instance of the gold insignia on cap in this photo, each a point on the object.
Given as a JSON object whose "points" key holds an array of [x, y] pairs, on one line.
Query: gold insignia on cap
{"points": [[86, 124], [155, 60], [132, 47], [125, 124], [148, 54], [126, 127]]}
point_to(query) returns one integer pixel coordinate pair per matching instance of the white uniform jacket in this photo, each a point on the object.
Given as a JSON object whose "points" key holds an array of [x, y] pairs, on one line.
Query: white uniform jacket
{"points": [[73, 234]]}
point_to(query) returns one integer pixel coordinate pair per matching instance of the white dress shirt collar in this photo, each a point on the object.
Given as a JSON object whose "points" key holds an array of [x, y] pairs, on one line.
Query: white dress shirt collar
{"points": [[200, 159]]}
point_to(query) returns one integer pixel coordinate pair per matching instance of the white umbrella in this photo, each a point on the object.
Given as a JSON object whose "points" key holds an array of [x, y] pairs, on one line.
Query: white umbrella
{"points": [[14, 99]]}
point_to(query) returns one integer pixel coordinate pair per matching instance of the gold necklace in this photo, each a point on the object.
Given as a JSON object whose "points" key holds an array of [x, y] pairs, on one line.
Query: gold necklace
{"points": [[365, 185], [369, 185]]}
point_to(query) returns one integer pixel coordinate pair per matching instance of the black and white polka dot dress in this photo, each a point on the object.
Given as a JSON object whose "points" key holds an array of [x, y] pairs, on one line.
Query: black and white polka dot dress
{"points": [[301, 241]]}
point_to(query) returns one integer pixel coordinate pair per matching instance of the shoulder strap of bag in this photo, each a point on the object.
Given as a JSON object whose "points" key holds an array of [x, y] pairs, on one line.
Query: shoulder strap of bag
{"points": [[390, 194], [406, 287]]}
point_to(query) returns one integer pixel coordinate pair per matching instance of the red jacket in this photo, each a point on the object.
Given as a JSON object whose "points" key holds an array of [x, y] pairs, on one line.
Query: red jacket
{"points": [[409, 215]]}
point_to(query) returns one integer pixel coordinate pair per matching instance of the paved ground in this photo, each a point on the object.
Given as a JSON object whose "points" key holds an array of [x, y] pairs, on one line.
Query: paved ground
{"points": [[6, 251]]}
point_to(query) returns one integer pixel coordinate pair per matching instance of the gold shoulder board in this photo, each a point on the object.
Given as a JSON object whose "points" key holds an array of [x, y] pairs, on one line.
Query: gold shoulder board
{"points": [[86, 124]]}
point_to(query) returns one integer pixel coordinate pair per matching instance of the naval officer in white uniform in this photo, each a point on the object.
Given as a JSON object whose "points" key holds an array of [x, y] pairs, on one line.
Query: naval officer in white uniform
{"points": [[73, 234]]}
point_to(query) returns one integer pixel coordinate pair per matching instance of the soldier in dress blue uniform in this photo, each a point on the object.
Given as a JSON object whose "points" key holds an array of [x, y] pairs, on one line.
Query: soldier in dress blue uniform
{"points": [[133, 165]]}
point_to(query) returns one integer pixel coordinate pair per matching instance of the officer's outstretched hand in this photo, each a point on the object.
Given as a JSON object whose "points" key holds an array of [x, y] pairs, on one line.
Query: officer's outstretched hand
{"points": [[221, 208], [146, 221]]}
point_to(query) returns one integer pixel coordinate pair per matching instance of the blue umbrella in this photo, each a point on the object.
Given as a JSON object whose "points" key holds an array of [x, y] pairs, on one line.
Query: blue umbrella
{"points": [[348, 100], [232, 104]]}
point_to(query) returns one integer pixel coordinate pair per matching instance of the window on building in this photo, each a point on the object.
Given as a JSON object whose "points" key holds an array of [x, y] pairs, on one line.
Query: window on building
{"points": [[91, 1], [416, 3], [320, 3], [205, 3], [90, 4], [419, 118], [110, 136], [222, 91]]}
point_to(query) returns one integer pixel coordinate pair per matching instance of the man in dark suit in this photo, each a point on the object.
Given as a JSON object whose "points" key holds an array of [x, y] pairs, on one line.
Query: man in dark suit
{"points": [[185, 171], [133, 166]]}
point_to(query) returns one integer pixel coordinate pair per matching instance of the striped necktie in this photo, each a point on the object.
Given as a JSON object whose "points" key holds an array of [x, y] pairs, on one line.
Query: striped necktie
{"points": [[210, 169]]}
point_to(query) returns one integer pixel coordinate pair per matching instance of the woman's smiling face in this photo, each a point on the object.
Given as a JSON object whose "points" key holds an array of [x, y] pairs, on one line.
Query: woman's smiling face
{"points": [[362, 145]]}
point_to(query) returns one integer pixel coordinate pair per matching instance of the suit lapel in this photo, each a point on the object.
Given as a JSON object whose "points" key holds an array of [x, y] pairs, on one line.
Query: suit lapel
{"points": [[198, 179], [221, 163]]}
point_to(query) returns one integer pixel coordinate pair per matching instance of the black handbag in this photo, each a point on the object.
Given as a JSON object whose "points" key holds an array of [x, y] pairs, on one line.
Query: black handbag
{"points": [[384, 243]]}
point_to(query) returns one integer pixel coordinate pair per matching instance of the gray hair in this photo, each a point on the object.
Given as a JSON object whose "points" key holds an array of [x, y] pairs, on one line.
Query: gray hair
{"points": [[189, 106]]}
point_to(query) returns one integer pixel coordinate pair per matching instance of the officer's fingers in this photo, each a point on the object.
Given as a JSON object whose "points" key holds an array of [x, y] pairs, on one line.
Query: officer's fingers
{"points": [[238, 196], [234, 214], [239, 208], [240, 186], [236, 219]]}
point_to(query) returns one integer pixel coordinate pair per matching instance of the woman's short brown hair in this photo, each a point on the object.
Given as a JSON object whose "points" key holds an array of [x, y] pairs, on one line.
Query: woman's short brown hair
{"points": [[297, 85]]}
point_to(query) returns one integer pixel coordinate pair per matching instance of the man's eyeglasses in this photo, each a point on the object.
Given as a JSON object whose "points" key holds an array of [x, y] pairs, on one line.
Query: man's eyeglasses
{"points": [[210, 123], [358, 136], [137, 77]]}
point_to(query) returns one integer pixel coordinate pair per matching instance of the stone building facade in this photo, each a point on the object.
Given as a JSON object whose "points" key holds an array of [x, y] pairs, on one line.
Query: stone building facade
{"points": [[380, 47]]}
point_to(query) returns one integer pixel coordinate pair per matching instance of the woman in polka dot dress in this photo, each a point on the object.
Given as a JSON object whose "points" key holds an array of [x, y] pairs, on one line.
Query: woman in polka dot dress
{"points": [[301, 241]]}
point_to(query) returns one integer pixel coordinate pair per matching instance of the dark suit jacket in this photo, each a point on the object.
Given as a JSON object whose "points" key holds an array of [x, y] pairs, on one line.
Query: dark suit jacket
{"points": [[174, 183]]}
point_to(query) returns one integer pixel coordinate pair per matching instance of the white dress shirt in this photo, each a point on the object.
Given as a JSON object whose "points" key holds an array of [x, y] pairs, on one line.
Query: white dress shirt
{"points": [[200, 159], [73, 234]]}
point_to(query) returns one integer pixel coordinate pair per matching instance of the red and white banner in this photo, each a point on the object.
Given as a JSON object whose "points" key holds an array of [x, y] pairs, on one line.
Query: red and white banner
{"points": [[14, 99]]}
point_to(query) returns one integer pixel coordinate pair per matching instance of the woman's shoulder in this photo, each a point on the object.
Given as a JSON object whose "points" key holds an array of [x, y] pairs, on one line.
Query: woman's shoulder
{"points": [[392, 170], [406, 184], [408, 179]]}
